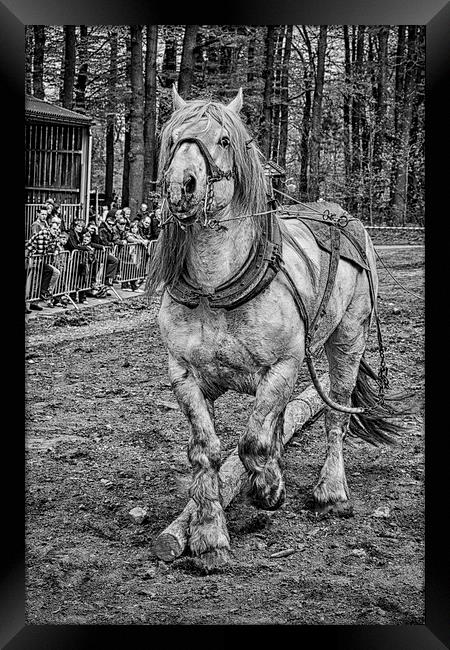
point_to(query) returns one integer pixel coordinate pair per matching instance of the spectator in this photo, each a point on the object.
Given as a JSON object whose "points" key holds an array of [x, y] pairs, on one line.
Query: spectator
{"points": [[61, 261], [92, 222], [75, 242], [136, 251], [127, 215], [145, 228], [56, 219], [107, 231], [133, 236], [41, 222], [91, 263], [105, 239], [50, 204], [43, 244], [121, 231], [143, 212]]}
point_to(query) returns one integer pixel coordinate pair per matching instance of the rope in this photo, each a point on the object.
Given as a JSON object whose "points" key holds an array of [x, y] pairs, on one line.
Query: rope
{"points": [[395, 279]]}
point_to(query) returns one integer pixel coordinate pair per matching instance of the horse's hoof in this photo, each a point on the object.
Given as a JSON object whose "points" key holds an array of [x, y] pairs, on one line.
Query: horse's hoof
{"points": [[213, 560], [339, 508], [271, 500]]}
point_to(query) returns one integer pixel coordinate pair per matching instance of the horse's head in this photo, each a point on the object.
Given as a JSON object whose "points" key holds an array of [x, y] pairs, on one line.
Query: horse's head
{"points": [[198, 157]]}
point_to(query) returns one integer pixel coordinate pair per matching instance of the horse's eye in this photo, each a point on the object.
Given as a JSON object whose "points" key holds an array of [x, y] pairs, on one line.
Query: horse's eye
{"points": [[224, 142]]}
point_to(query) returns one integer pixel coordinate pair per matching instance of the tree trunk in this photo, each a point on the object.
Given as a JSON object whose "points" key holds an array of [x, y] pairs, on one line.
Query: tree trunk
{"points": [[28, 60], [381, 108], [417, 141], [308, 73], [111, 117], [266, 131], [399, 206], [284, 113], [276, 94], [398, 102], [357, 118], [126, 141], [187, 61], [38, 61], [136, 155], [316, 118], [69, 66], [80, 88], [167, 77], [169, 63], [150, 165], [251, 56], [347, 110]]}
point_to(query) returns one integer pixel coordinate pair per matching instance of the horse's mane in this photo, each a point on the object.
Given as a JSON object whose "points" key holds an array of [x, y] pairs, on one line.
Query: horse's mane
{"points": [[168, 260]]}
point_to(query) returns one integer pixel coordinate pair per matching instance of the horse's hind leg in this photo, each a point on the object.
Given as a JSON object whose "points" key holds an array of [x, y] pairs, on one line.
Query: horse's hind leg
{"points": [[344, 350], [208, 534], [261, 445]]}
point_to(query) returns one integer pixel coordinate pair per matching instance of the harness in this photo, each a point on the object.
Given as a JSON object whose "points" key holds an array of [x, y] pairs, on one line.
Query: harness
{"points": [[213, 175], [263, 264], [258, 271]]}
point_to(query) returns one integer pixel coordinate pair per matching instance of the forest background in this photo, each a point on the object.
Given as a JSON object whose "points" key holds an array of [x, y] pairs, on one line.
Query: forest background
{"points": [[340, 108]]}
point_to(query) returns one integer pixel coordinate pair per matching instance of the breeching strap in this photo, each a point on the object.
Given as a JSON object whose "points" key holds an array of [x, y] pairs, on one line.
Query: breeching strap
{"points": [[311, 327]]}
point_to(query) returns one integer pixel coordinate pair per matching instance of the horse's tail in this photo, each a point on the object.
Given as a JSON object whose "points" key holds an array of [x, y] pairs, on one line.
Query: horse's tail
{"points": [[377, 423]]}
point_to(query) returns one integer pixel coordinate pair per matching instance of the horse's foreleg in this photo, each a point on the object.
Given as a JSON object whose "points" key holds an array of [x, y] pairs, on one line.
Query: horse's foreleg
{"points": [[344, 350], [260, 447], [208, 534]]}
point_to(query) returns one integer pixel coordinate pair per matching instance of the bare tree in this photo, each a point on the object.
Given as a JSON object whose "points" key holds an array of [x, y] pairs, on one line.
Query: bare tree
{"points": [[266, 124], [69, 66], [187, 61], [38, 61], [316, 118], [150, 156], [136, 155], [82, 77], [111, 116], [284, 96], [399, 204]]}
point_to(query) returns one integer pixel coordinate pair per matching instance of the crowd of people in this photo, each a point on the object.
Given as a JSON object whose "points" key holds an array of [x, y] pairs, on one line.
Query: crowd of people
{"points": [[50, 236]]}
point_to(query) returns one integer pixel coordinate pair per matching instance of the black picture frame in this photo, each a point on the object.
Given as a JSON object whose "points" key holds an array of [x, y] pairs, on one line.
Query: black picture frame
{"points": [[435, 14]]}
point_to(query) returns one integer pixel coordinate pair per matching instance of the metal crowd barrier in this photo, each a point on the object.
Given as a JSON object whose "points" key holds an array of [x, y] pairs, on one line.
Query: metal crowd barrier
{"points": [[81, 271], [133, 260]]}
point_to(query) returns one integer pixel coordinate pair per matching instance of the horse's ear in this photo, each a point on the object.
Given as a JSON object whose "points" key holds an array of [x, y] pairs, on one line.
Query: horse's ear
{"points": [[236, 104], [178, 102]]}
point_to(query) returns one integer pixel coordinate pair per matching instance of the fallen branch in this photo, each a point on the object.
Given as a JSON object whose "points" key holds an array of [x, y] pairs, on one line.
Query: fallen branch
{"points": [[171, 543]]}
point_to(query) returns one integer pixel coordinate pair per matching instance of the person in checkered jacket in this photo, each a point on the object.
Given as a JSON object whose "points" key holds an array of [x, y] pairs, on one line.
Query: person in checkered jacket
{"points": [[43, 244]]}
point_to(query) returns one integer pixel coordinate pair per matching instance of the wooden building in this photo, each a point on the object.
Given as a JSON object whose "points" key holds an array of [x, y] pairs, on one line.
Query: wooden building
{"points": [[57, 160], [274, 173]]}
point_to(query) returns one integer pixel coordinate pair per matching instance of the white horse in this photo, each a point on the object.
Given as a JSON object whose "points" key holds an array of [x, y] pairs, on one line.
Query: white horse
{"points": [[234, 278]]}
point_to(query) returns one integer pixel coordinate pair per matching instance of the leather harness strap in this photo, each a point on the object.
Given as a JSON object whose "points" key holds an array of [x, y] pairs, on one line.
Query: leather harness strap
{"points": [[331, 277], [254, 276], [213, 171]]}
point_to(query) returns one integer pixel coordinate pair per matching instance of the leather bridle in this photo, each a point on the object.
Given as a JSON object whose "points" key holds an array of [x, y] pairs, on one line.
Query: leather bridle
{"points": [[213, 174]]}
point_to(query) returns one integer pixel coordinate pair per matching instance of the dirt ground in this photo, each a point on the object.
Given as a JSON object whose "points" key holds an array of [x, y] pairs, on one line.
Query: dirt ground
{"points": [[104, 435]]}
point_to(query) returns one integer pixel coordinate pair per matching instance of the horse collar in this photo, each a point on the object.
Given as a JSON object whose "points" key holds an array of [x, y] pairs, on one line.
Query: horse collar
{"points": [[253, 277]]}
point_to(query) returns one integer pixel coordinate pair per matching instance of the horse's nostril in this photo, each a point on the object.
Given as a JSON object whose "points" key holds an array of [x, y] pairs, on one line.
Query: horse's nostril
{"points": [[189, 185]]}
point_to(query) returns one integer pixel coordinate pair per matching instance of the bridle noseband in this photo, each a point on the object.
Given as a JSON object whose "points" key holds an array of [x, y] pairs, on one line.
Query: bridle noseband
{"points": [[213, 175]]}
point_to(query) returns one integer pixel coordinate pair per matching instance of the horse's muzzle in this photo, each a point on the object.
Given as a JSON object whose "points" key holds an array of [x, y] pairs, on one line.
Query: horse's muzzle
{"points": [[183, 195]]}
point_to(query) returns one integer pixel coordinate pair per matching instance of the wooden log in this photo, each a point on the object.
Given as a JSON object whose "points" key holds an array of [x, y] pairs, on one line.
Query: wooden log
{"points": [[172, 542]]}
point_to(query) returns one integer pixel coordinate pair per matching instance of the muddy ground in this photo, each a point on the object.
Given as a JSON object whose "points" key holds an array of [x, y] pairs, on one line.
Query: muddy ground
{"points": [[104, 435]]}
